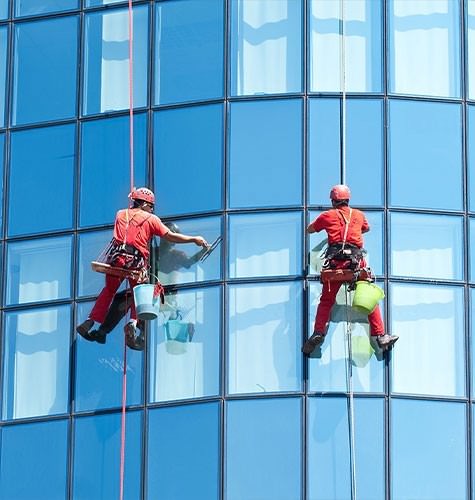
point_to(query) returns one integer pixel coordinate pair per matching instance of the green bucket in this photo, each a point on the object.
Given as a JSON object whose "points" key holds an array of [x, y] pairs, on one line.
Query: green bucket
{"points": [[366, 297]]}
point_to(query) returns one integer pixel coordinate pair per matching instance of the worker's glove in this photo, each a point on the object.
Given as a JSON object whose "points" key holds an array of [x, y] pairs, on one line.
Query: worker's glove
{"points": [[159, 290]]}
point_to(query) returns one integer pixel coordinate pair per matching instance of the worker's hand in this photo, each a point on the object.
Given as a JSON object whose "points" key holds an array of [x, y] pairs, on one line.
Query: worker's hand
{"points": [[200, 241]]}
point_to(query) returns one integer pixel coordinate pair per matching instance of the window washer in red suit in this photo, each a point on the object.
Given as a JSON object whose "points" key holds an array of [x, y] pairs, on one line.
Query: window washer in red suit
{"points": [[344, 227]]}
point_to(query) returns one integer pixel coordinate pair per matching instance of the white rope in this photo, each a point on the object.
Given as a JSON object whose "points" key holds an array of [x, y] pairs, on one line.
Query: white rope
{"points": [[343, 90]]}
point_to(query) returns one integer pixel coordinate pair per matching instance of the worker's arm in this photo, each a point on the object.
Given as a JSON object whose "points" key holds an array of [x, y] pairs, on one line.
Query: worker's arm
{"points": [[310, 228], [183, 238]]}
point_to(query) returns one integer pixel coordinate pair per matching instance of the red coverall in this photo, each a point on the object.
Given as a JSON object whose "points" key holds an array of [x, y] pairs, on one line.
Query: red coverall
{"points": [[333, 221]]}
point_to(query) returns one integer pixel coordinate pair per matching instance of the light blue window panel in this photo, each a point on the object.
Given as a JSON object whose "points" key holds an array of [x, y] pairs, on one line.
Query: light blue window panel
{"points": [[106, 64], [42, 162], [429, 357], [266, 47], [471, 249], [470, 34], [2, 153], [426, 246], [264, 332], [3, 71], [185, 346], [472, 337], [184, 452], [188, 159], [428, 450], [265, 158], [38, 270], [97, 442], [42, 450], [471, 155], [45, 67], [105, 167], [189, 50], [329, 470], [91, 247], [4, 9], [362, 46], [267, 244], [96, 3], [424, 48], [425, 154], [36, 362], [33, 7], [263, 449]]}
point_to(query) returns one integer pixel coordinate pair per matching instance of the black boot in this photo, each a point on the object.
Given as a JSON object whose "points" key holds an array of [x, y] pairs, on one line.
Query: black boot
{"points": [[98, 335], [84, 327], [312, 343], [386, 341], [134, 341]]}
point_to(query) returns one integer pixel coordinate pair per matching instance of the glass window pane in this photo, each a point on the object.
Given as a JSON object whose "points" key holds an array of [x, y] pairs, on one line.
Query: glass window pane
{"points": [[425, 144], [265, 245], [3, 71], [264, 323], [426, 246], [4, 9], [105, 166], [189, 50], [266, 47], [42, 161], [363, 47], [2, 153], [96, 461], [472, 341], [424, 48], [38, 270], [106, 65], [36, 362], [91, 245], [33, 7], [470, 27], [25, 471], [263, 449], [265, 155], [185, 346], [329, 469], [44, 77], [425, 462], [189, 141], [189, 445], [95, 3], [471, 155], [430, 354]]}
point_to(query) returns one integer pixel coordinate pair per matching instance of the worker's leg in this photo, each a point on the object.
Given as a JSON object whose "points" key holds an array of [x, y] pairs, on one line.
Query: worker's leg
{"points": [[103, 302], [327, 299], [376, 322]]}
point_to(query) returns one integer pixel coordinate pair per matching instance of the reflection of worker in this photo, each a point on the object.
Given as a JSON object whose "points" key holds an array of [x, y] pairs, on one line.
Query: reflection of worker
{"points": [[345, 227], [133, 229]]}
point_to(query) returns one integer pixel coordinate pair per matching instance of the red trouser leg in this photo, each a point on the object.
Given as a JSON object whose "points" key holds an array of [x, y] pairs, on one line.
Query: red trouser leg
{"points": [[376, 322], [327, 299], [103, 302]]}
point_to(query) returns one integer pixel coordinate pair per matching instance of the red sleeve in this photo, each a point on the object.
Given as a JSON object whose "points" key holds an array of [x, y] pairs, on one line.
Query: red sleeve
{"points": [[320, 222], [365, 225], [158, 227]]}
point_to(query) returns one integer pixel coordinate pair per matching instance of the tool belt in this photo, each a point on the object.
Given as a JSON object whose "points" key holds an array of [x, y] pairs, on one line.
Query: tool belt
{"points": [[343, 252], [125, 256]]}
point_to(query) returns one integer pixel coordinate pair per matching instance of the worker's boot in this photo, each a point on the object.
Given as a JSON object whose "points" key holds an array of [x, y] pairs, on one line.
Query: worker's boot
{"points": [[386, 341], [84, 327], [314, 341], [134, 341], [98, 335]]}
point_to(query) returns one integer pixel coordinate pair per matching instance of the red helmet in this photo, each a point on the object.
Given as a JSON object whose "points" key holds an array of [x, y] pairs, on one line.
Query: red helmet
{"points": [[340, 192], [143, 194]]}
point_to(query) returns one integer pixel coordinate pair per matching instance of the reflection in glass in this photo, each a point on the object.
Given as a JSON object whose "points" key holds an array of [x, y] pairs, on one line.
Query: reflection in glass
{"points": [[266, 46], [183, 144], [185, 346], [426, 246], [96, 461], [41, 158], [363, 59], [38, 270], [472, 341], [425, 143], [265, 244], [26, 472], [3, 71], [430, 353], [265, 153], [4, 9], [470, 35], [424, 48], [2, 145], [96, 3], [34, 7], [432, 433], [471, 154], [189, 50], [90, 247], [45, 65], [106, 65], [263, 449], [264, 338], [36, 362], [183, 452], [329, 469]]}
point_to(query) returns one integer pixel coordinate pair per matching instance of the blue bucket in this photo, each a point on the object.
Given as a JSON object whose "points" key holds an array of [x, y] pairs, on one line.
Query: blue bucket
{"points": [[146, 306]]}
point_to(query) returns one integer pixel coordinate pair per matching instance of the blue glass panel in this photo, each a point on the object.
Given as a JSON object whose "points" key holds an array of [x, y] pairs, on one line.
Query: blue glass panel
{"points": [[2, 145], [424, 48], [471, 156], [426, 246], [189, 141], [95, 3], [44, 77], [266, 47], [38, 270], [105, 166], [4, 9], [263, 449], [329, 470], [425, 462], [189, 50], [470, 36], [26, 472], [36, 362], [185, 346], [265, 158], [425, 144], [33, 7], [183, 452], [472, 342], [265, 244], [3, 71], [106, 65], [97, 442], [42, 159], [429, 357], [363, 46], [91, 245]]}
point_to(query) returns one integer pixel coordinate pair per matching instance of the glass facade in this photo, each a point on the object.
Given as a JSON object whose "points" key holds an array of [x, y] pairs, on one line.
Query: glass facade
{"points": [[241, 111]]}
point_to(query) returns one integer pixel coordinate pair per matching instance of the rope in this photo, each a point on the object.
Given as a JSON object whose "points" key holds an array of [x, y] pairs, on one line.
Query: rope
{"points": [[343, 89]]}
